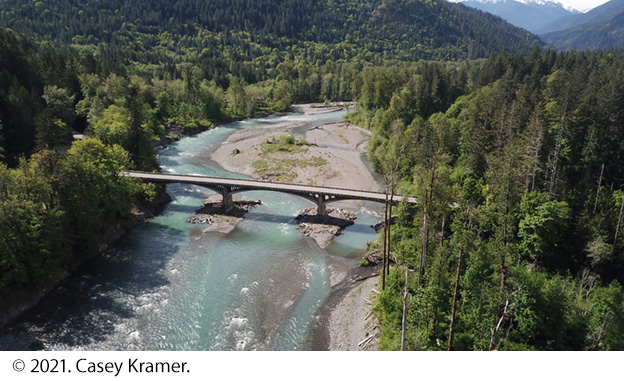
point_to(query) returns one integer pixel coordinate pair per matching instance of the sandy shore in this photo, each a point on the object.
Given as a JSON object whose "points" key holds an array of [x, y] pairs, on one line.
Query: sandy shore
{"points": [[345, 322], [352, 325], [331, 156]]}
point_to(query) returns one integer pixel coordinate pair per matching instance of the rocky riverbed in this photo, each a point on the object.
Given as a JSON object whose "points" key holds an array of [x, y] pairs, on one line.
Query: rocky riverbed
{"points": [[218, 220], [323, 229]]}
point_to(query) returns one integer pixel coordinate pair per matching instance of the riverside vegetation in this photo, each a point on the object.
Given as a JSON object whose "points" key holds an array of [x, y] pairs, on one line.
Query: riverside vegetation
{"points": [[516, 157]]}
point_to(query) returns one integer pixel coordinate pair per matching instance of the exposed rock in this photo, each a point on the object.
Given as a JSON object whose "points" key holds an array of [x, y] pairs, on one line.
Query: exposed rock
{"points": [[212, 214], [372, 258], [324, 228], [380, 225]]}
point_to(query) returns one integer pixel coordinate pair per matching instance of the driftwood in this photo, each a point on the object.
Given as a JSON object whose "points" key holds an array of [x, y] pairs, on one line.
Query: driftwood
{"points": [[359, 279], [366, 341]]}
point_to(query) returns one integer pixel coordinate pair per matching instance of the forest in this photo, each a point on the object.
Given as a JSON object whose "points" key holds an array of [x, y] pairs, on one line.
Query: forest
{"points": [[242, 33], [519, 170], [514, 151]]}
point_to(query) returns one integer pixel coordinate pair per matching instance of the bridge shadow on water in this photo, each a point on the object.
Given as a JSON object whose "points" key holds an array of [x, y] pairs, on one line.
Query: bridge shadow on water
{"points": [[356, 227], [255, 215], [99, 297]]}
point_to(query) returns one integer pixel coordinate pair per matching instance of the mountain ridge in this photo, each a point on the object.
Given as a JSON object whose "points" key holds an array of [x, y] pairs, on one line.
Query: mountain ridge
{"points": [[531, 15], [571, 21], [600, 28], [400, 29]]}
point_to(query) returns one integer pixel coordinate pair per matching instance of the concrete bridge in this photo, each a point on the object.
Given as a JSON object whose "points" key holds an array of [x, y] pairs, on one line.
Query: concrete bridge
{"points": [[226, 187]]}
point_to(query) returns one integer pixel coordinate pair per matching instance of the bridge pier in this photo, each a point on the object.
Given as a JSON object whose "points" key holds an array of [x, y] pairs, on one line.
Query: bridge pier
{"points": [[321, 207], [227, 203]]}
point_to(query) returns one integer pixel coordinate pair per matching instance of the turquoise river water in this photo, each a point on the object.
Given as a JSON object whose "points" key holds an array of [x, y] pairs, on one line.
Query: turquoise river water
{"points": [[167, 286]]}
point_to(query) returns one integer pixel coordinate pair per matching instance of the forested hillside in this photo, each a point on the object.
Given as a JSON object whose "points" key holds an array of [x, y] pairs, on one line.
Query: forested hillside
{"points": [[604, 11], [604, 32], [518, 242], [241, 32]]}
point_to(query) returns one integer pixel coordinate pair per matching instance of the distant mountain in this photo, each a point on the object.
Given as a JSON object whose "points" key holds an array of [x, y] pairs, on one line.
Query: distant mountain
{"points": [[611, 8], [600, 28], [527, 14]]}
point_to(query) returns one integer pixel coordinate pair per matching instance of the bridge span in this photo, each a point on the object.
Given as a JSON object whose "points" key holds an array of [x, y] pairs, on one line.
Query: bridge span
{"points": [[226, 187]]}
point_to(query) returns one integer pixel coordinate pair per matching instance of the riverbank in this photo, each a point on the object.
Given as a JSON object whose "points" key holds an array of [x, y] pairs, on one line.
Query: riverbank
{"points": [[346, 322]]}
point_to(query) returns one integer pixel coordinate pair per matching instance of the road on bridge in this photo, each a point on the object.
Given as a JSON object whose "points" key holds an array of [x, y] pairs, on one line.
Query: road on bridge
{"points": [[208, 181]]}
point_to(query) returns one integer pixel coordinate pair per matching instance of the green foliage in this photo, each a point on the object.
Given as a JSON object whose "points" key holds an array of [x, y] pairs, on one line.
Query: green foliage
{"points": [[506, 178], [284, 143], [248, 38], [113, 127], [51, 132], [55, 209], [606, 321], [542, 229]]}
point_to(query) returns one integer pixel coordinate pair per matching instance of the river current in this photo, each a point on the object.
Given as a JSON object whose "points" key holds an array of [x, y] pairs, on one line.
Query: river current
{"points": [[166, 285]]}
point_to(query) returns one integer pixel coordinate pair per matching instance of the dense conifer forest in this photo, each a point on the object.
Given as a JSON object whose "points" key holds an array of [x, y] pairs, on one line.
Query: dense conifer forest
{"points": [[234, 32], [517, 243], [514, 152]]}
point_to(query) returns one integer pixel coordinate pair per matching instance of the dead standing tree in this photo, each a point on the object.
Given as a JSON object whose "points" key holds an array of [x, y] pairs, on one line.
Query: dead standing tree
{"points": [[430, 178], [462, 250], [617, 229], [391, 164]]}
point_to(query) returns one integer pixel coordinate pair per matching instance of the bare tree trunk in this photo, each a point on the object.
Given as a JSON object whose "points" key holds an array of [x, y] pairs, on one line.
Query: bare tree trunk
{"points": [[604, 325], [503, 281], [554, 162], [389, 230], [617, 229], [598, 190], [497, 328], [503, 266], [404, 319], [383, 265], [421, 275], [534, 139], [455, 293], [457, 276], [442, 231]]}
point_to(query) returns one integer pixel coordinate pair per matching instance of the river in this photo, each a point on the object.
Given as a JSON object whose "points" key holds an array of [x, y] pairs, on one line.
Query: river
{"points": [[167, 286]]}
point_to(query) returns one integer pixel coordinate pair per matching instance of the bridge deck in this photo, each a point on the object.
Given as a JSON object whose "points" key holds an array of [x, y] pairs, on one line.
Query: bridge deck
{"points": [[209, 181]]}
